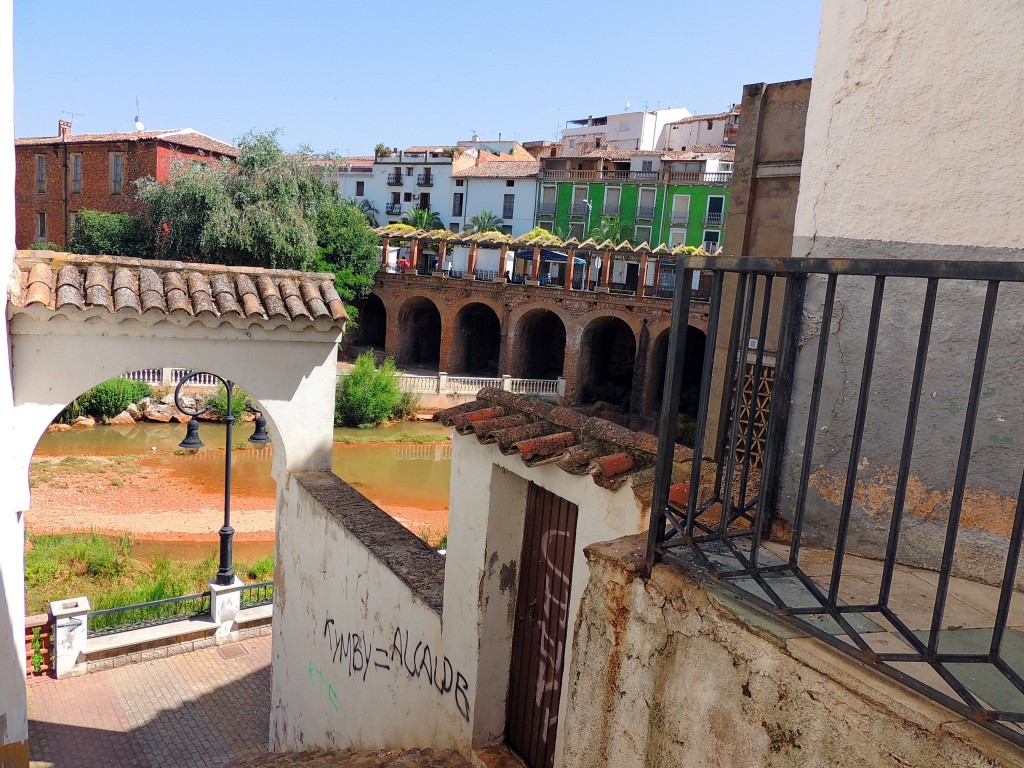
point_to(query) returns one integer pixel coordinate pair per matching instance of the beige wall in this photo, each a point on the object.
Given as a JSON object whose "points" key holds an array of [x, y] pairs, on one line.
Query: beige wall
{"points": [[672, 673], [13, 717]]}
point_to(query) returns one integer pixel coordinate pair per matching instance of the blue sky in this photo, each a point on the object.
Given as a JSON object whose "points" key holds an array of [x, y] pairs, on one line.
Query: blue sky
{"points": [[344, 75]]}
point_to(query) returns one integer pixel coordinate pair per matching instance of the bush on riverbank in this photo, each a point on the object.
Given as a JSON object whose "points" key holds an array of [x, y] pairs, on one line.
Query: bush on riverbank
{"points": [[105, 400], [369, 395], [101, 568]]}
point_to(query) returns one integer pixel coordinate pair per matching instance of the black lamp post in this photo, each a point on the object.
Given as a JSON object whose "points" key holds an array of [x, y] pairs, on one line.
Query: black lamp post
{"points": [[226, 571]]}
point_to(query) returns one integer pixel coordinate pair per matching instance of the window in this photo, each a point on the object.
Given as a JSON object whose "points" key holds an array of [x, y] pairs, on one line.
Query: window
{"points": [[508, 207], [676, 237], [643, 235], [572, 143], [725, 167], [645, 204], [711, 239], [716, 211], [453, 227], [547, 226], [41, 174], [76, 174], [116, 173], [547, 199], [407, 197], [460, 182], [612, 201], [360, 188], [576, 230], [396, 197], [408, 171], [580, 203], [646, 166], [457, 204], [506, 229], [597, 143], [510, 182], [680, 209], [40, 226]]}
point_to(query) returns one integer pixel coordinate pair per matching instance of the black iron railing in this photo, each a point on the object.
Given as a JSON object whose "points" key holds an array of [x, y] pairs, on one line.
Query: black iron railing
{"points": [[425, 180], [805, 497], [254, 595], [395, 179], [645, 211], [393, 209], [125, 618]]}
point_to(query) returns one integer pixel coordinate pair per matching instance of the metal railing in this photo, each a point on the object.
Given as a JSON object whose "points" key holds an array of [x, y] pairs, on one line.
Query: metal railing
{"points": [[395, 179], [128, 617], [845, 398], [662, 176], [680, 218], [611, 210], [547, 209], [261, 593], [425, 180], [713, 219], [392, 209], [645, 211], [486, 274], [578, 209]]}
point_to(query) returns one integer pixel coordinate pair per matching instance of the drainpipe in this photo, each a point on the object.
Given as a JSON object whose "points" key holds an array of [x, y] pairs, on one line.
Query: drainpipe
{"points": [[64, 191]]}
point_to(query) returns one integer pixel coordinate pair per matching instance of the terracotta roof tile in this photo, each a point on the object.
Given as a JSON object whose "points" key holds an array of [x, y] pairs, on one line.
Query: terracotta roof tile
{"points": [[61, 282], [182, 137], [500, 169]]}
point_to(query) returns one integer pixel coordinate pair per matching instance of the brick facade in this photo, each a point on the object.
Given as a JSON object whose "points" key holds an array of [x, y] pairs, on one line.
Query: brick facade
{"points": [[580, 313], [141, 158]]}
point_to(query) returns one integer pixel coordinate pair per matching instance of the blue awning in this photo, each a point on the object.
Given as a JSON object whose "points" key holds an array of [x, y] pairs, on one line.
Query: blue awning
{"points": [[549, 256]]}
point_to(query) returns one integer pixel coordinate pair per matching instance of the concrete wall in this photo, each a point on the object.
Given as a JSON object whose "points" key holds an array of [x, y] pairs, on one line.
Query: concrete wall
{"points": [[485, 540], [669, 671], [906, 98], [489, 195], [13, 714]]}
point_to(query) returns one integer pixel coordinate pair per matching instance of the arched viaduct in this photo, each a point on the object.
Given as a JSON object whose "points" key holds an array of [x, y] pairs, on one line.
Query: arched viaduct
{"points": [[607, 347]]}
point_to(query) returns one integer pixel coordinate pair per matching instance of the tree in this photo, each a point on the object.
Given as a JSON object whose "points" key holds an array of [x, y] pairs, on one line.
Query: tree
{"points": [[98, 233], [266, 209], [365, 207], [485, 221], [612, 228], [422, 218]]}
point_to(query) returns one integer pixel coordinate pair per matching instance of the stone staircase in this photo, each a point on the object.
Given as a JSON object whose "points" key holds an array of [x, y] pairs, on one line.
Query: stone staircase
{"points": [[410, 758]]}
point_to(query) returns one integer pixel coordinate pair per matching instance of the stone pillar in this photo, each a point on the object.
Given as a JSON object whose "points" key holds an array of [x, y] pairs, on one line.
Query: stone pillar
{"points": [[385, 245], [535, 272], [641, 278], [502, 258], [225, 603], [442, 382], [70, 633], [167, 377], [641, 381], [506, 383], [471, 266], [561, 386], [570, 265]]}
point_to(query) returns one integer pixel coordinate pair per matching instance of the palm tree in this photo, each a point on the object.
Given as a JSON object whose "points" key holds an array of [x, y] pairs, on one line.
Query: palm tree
{"points": [[485, 221], [365, 207], [422, 218], [612, 228]]}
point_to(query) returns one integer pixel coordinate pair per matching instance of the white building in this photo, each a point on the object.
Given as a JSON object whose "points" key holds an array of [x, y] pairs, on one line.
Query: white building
{"points": [[353, 174], [629, 130], [415, 177], [717, 129]]}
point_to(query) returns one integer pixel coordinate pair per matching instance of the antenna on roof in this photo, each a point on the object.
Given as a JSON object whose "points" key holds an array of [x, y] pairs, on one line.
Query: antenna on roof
{"points": [[626, 108], [72, 115], [138, 120]]}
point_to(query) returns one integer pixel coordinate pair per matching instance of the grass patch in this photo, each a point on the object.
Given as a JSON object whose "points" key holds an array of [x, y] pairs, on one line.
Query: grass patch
{"points": [[435, 541], [377, 437], [60, 566], [57, 472]]}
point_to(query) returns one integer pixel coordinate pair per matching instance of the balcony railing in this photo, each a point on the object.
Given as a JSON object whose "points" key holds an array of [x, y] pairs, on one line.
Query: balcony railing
{"points": [[579, 209], [395, 180], [713, 219], [699, 177], [680, 218], [845, 470], [610, 210], [664, 177], [547, 209], [392, 209], [425, 180], [645, 211]]}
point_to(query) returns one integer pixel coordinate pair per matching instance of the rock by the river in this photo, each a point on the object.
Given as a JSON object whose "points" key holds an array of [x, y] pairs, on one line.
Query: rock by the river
{"points": [[158, 412], [83, 422], [134, 411], [123, 418], [58, 428]]}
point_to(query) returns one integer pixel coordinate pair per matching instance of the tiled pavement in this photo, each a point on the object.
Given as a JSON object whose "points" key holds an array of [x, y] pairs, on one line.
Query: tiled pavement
{"points": [[206, 708]]}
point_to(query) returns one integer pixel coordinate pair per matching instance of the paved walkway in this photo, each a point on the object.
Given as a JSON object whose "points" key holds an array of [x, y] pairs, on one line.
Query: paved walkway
{"points": [[206, 708]]}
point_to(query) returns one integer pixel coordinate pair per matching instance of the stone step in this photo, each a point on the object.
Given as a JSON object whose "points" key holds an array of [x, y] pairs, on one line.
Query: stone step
{"points": [[410, 758]]}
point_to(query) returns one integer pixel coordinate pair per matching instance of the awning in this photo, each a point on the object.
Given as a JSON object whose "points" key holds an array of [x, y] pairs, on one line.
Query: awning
{"points": [[549, 256]]}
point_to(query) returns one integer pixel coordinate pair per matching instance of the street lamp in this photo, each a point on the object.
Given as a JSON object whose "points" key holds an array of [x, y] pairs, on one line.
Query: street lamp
{"points": [[226, 571]]}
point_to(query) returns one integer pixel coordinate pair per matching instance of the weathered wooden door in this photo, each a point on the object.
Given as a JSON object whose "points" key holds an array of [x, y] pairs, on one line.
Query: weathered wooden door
{"points": [[542, 619]]}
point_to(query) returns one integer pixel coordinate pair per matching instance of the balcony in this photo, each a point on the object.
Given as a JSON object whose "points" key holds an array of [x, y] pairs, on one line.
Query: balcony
{"points": [[547, 209], [611, 210], [393, 209], [698, 177], [395, 180], [713, 219], [425, 180], [579, 209], [645, 212], [680, 218]]}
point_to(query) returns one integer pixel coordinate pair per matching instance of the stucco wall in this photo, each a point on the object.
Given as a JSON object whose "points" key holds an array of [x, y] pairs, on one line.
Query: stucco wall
{"points": [[670, 672], [357, 654], [13, 717], [906, 157]]}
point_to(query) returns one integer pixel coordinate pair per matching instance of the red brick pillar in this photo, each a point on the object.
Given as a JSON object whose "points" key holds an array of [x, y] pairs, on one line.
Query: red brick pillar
{"points": [[385, 245], [641, 278], [570, 265], [503, 258], [471, 267], [414, 254], [606, 268], [657, 274], [535, 274], [442, 250]]}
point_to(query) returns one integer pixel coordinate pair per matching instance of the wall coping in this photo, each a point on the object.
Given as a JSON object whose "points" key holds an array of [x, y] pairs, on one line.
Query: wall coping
{"points": [[416, 564]]}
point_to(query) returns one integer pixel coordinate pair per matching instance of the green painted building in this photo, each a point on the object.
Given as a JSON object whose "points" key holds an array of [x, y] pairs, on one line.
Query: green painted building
{"points": [[675, 198]]}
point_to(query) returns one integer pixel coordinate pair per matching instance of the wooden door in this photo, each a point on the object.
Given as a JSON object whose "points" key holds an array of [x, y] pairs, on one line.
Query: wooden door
{"points": [[542, 620]]}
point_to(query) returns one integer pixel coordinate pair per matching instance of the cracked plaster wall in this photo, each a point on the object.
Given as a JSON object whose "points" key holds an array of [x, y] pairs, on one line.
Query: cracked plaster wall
{"points": [[907, 156], [671, 673]]}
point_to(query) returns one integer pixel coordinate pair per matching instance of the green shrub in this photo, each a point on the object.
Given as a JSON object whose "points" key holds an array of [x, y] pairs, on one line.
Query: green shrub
{"points": [[110, 234], [219, 401], [369, 395], [111, 397], [261, 569], [44, 247]]}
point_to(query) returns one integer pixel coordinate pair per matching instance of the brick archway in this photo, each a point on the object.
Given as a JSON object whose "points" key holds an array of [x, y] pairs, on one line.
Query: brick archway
{"points": [[696, 341], [418, 329], [373, 323], [608, 349], [476, 342], [539, 349]]}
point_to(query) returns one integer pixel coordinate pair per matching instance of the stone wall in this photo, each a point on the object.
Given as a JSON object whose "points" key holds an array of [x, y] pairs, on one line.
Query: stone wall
{"points": [[669, 672]]}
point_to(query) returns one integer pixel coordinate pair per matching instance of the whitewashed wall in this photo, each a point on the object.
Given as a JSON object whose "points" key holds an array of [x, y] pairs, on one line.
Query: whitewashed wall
{"points": [[489, 195]]}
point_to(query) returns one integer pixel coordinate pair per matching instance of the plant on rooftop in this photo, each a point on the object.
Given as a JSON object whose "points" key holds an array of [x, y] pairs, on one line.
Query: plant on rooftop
{"points": [[422, 218], [485, 221], [110, 234], [369, 395], [382, 150]]}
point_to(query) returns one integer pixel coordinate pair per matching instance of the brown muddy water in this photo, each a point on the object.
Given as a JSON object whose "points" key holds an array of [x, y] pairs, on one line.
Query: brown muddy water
{"points": [[413, 476]]}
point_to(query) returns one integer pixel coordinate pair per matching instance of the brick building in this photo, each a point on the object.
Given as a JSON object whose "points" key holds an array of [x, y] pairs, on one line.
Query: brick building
{"points": [[57, 176]]}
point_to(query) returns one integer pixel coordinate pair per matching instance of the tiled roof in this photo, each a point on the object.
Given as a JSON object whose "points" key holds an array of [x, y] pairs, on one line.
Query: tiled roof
{"points": [[183, 137], [46, 282], [712, 149], [542, 433], [699, 118], [500, 169]]}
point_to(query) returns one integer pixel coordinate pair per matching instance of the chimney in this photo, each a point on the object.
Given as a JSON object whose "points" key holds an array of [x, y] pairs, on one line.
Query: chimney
{"points": [[64, 129]]}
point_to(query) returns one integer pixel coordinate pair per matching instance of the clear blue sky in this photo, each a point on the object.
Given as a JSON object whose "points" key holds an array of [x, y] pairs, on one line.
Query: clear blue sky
{"points": [[345, 75]]}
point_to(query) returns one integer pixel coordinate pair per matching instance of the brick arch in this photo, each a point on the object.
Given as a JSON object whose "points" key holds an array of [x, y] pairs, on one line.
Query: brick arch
{"points": [[373, 322], [475, 346], [696, 349], [608, 348], [537, 343], [417, 330]]}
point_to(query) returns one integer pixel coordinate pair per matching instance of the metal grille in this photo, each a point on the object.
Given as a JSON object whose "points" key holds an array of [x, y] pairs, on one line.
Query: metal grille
{"points": [[861, 395], [128, 617], [254, 595]]}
